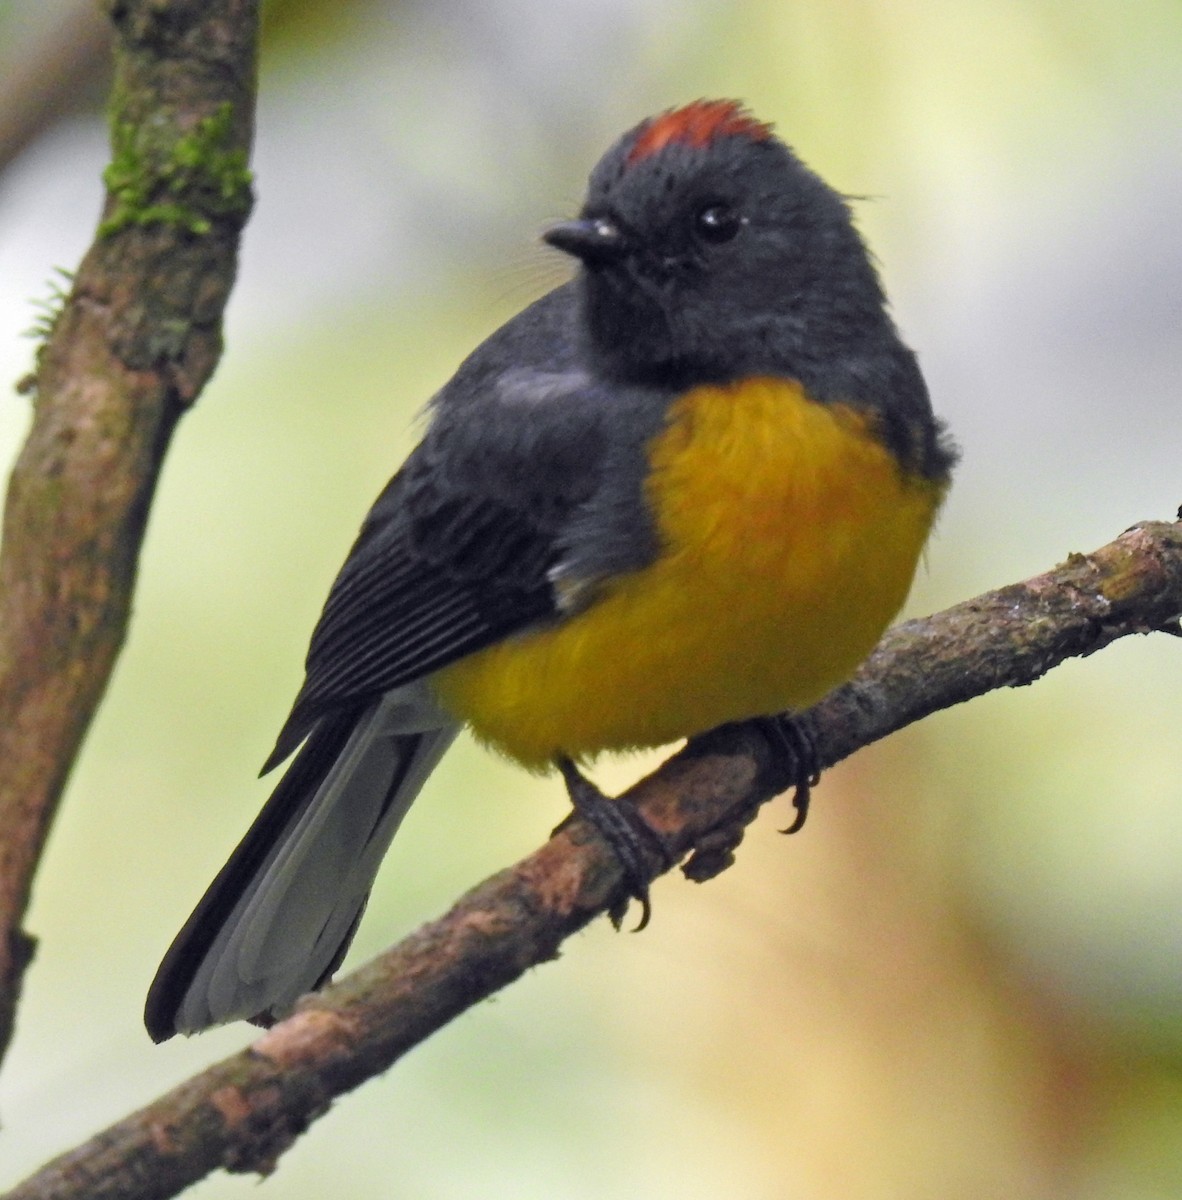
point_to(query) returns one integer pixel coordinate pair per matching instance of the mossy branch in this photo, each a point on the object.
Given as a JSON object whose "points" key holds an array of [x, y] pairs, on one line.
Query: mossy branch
{"points": [[244, 1112], [158, 176], [125, 352]]}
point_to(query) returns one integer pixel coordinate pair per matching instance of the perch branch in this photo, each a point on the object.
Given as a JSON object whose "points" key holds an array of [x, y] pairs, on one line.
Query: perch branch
{"points": [[245, 1111]]}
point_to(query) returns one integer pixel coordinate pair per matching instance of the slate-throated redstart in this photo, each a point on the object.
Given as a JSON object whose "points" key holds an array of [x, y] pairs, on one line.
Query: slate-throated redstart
{"points": [[688, 487]]}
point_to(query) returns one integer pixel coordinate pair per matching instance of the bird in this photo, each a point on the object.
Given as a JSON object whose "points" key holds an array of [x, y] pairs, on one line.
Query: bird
{"points": [[689, 486]]}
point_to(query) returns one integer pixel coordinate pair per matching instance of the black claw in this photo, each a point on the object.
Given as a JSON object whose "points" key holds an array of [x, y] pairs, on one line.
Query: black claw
{"points": [[632, 840], [801, 800], [617, 912], [792, 741]]}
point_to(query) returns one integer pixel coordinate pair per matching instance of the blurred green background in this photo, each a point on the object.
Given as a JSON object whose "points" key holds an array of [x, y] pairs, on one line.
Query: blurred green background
{"points": [[965, 978]]}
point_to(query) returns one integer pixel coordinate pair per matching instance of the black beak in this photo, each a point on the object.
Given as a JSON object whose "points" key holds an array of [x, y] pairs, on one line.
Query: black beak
{"points": [[592, 240]]}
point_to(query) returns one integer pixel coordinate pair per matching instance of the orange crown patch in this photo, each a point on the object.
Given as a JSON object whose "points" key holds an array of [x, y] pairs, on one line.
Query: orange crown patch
{"points": [[697, 125]]}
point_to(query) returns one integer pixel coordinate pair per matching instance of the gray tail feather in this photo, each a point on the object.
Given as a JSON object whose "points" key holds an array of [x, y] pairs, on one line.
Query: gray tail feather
{"points": [[277, 920]]}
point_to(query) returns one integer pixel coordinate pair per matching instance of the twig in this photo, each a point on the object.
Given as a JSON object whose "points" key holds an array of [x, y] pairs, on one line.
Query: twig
{"points": [[244, 1112], [58, 72], [133, 344]]}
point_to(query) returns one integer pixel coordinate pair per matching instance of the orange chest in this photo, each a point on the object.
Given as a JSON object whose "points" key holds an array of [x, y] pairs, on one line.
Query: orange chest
{"points": [[789, 537], [795, 498]]}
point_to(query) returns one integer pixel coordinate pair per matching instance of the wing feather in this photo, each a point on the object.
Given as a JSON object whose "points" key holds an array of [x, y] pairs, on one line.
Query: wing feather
{"points": [[444, 566]]}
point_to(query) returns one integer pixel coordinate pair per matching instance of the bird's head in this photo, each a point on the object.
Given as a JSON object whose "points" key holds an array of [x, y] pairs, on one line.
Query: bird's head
{"points": [[709, 251]]}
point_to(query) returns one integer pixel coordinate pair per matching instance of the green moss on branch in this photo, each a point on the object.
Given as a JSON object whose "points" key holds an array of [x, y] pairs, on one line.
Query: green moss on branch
{"points": [[159, 176]]}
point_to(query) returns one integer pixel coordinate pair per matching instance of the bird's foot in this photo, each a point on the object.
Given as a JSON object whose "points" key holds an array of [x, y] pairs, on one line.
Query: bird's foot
{"points": [[795, 752], [632, 840]]}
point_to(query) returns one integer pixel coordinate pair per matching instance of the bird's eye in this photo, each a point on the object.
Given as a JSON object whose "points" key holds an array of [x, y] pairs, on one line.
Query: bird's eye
{"points": [[717, 222]]}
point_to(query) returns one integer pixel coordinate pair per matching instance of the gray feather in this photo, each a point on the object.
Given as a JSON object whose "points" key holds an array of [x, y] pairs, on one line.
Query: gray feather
{"points": [[293, 921]]}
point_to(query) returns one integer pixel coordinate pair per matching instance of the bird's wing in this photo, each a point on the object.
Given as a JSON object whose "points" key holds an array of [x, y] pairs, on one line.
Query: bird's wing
{"points": [[456, 554]]}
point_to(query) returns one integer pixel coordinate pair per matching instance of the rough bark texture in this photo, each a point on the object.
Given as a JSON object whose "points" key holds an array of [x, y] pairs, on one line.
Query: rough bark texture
{"points": [[243, 1113], [133, 344]]}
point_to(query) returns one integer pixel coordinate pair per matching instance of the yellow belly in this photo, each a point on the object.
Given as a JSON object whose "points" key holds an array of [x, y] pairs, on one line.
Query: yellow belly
{"points": [[790, 537]]}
